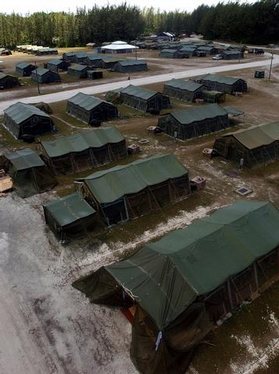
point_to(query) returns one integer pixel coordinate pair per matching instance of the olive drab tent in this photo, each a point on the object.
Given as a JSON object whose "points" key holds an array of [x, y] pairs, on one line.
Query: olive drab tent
{"points": [[25, 68], [29, 172], [191, 123], [69, 216], [130, 66], [184, 90], [8, 81], [221, 83], [255, 145], [91, 109], [183, 284], [42, 75], [85, 150], [129, 191], [25, 119]]}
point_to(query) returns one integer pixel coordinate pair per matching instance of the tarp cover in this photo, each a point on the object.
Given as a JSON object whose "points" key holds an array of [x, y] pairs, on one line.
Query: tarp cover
{"points": [[82, 141], [257, 136], [69, 209], [188, 116], [20, 112], [140, 92], [110, 185], [184, 85], [24, 159], [165, 277], [86, 102]]}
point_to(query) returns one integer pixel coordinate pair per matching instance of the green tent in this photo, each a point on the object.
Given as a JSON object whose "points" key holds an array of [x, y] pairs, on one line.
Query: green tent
{"points": [[255, 145], [190, 279], [128, 191], [194, 122], [130, 66], [223, 84], [28, 171], [84, 150], [24, 119], [184, 90], [69, 216]]}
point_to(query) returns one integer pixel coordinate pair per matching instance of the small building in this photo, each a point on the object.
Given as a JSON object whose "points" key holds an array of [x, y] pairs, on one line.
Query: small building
{"points": [[119, 47], [78, 71], [8, 81], [29, 172], [80, 57], [192, 123], [185, 284], [57, 65], [130, 66], [42, 75], [85, 150], [221, 83], [144, 99], [165, 36], [184, 90], [69, 216], [173, 53], [25, 69], [90, 109], [25, 119], [255, 145], [69, 56], [232, 55], [129, 191]]}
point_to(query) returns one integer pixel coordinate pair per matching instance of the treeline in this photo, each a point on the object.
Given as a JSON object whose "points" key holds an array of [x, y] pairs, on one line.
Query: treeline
{"points": [[245, 23]]}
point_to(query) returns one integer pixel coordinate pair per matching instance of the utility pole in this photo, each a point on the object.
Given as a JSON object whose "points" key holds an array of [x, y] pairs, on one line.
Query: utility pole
{"points": [[270, 67], [38, 84]]}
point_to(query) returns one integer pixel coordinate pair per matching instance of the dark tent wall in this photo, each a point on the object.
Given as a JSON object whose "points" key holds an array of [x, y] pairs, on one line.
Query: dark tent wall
{"points": [[94, 61], [25, 69], [42, 75], [57, 65], [186, 282], [184, 90], [8, 81], [90, 109], [24, 119], [255, 145], [69, 216], [143, 99], [29, 172], [85, 150], [194, 122], [221, 83], [126, 192]]}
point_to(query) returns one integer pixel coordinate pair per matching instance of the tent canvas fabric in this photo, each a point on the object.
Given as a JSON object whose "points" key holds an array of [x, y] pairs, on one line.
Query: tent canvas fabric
{"points": [[42, 75], [189, 123], [129, 66], [25, 68], [78, 70], [28, 171], [184, 283], [21, 119], [255, 145], [144, 99], [223, 84], [184, 90], [69, 215], [8, 81], [90, 109], [127, 191], [84, 150], [118, 47]]}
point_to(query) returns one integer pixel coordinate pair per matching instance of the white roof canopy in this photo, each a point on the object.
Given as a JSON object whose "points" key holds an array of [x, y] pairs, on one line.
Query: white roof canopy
{"points": [[118, 45]]}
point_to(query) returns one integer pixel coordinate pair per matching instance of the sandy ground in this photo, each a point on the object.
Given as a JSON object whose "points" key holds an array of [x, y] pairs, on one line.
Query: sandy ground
{"points": [[48, 327]]}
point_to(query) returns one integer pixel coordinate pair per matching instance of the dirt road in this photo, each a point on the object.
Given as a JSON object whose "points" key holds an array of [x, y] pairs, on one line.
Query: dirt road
{"points": [[64, 95]]}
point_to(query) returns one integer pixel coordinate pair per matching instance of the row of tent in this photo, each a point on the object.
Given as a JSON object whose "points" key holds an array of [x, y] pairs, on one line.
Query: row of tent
{"points": [[179, 288], [67, 154], [119, 194], [37, 50]]}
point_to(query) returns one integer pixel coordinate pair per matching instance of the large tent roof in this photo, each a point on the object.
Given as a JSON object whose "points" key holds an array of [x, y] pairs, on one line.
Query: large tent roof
{"points": [[188, 116], [82, 141], [112, 184], [220, 79], [42, 71], [24, 159], [3, 75], [23, 65], [20, 112], [257, 136], [69, 209], [86, 102], [119, 45], [165, 277], [77, 67], [140, 92], [184, 85], [56, 61]]}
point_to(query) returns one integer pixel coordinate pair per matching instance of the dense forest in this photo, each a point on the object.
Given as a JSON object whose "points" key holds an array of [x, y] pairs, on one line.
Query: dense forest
{"points": [[245, 23]]}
